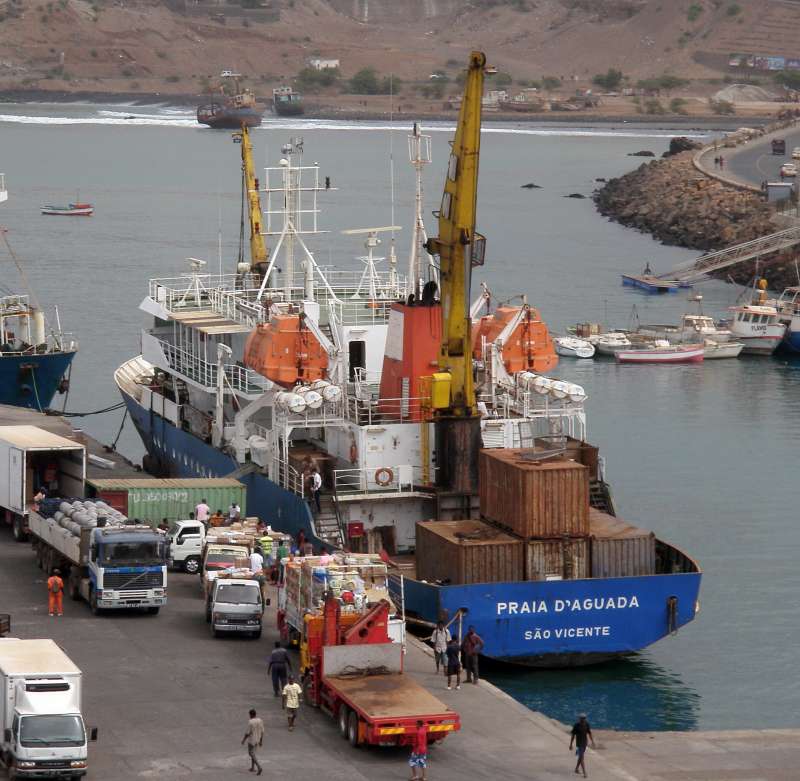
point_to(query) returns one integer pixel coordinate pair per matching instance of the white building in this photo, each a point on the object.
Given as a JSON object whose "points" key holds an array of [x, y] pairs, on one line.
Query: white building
{"points": [[321, 65]]}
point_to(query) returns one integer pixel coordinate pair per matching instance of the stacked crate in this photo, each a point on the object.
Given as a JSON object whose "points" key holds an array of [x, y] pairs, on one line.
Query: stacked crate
{"points": [[545, 503], [619, 549]]}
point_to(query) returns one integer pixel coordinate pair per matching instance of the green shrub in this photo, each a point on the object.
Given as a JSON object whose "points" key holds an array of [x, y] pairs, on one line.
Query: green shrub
{"points": [[677, 106], [734, 9], [721, 107], [610, 80], [695, 9]]}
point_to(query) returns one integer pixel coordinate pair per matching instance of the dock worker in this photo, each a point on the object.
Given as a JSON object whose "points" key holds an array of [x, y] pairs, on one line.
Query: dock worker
{"points": [[234, 513], [38, 498], [255, 739], [256, 561], [453, 655], [280, 665], [418, 761], [440, 637], [581, 734], [164, 525], [471, 647], [217, 519], [316, 487], [291, 700], [55, 593], [202, 511]]}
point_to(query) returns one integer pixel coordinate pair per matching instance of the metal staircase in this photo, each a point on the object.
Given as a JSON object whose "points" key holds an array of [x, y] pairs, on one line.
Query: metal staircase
{"points": [[327, 524], [749, 250], [600, 497]]}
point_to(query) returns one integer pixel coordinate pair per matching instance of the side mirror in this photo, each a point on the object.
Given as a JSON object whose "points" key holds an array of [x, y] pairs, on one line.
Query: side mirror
{"points": [[179, 541], [7, 735], [92, 733]]}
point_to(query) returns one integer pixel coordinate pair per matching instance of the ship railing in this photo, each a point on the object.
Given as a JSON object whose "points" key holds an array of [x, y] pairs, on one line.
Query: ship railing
{"points": [[361, 311], [237, 306], [237, 378], [375, 411], [400, 478], [328, 413], [190, 292], [287, 476]]}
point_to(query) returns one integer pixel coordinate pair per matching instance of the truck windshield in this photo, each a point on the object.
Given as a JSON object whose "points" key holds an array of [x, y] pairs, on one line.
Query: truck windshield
{"points": [[146, 552], [51, 731], [238, 595]]}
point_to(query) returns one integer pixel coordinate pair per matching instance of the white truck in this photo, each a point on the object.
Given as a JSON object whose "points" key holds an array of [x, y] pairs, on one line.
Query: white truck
{"points": [[187, 539], [43, 734], [32, 458]]}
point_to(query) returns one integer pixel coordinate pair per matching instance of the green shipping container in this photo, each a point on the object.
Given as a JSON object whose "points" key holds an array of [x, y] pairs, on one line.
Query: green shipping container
{"points": [[151, 499]]}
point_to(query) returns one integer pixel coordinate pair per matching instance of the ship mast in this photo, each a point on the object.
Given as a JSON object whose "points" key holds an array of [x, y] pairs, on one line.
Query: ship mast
{"points": [[419, 153]]}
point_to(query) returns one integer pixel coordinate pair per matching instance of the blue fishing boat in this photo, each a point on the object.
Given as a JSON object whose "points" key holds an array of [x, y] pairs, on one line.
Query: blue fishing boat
{"points": [[788, 309]]}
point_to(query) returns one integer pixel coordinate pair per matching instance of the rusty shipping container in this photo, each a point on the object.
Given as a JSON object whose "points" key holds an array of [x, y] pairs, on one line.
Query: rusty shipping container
{"points": [[545, 499], [467, 552], [567, 558], [618, 549]]}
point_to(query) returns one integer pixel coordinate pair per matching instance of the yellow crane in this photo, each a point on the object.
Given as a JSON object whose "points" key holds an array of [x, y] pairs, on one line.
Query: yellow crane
{"points": [[258, 248], [459, 248]]}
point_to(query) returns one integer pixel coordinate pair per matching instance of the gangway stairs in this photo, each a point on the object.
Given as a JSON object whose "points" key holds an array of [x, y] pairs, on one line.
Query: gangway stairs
{"points": [[749, 250]]}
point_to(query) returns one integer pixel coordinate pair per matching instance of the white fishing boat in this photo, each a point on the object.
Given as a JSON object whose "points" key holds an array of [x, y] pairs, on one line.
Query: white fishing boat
{"points": [[611, 343], [714, 349], [572, 347], [662, 352]]}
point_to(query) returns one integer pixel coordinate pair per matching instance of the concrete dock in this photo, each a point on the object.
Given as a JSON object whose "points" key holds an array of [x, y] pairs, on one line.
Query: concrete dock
{"points": [[171, 702]]}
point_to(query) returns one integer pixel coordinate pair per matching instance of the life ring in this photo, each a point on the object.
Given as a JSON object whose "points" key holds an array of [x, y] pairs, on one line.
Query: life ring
{"points": [[384, 476]]}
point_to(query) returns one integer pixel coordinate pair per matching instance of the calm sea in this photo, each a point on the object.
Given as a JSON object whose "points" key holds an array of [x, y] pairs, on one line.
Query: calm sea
{"points": [[703, 455]]}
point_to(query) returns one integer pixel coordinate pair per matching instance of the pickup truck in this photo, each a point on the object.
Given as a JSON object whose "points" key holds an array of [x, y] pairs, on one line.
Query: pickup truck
{"points": [[187, 539], [235, 605], [218, 557]]}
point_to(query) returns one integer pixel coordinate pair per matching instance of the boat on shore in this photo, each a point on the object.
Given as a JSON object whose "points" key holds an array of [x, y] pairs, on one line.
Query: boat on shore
{"points": [[572, 347], [287, 103], [231, 111], [283, 361], [662, 352], [70, 210]]}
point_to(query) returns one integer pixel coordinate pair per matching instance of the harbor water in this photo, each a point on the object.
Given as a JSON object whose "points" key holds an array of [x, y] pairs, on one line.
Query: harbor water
{"points": [[700, 454]]}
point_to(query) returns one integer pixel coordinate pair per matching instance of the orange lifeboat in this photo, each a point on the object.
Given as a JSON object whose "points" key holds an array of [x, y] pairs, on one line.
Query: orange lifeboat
{"points": [[286, 352], [528, 348]]}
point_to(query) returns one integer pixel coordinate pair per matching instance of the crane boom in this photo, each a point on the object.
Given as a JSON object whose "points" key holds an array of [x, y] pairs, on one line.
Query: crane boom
{"points": [[258, 248], [458, 245]]}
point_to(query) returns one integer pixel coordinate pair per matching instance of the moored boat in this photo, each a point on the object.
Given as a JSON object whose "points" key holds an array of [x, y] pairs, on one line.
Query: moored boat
{"points": [[757, 324], [572, 347], [650, 284], [231, 111], [71, 210], [286, 102], [610, 343], [788, 309], [714, 350], [662, 352]]}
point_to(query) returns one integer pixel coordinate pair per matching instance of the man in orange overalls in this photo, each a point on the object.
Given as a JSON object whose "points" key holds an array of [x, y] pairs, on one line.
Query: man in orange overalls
{"points": [[55, 593]]}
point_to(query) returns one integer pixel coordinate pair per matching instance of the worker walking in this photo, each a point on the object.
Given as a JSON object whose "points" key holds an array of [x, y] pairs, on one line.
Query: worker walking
{"points": [[581, 735], [471, 647], [255, 739], [440, 638], [453, 655], [291, 700], [55, 593], [280, 665]]}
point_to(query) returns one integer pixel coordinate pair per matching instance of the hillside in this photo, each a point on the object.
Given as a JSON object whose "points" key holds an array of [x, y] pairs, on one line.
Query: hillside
{"points": [[135, 46]]}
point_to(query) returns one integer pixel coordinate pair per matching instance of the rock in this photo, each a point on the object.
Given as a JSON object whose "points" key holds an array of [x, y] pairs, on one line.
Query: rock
{"points": [[681, 144], [600, 179], [574, 195], [530, 186], [642, 153]]}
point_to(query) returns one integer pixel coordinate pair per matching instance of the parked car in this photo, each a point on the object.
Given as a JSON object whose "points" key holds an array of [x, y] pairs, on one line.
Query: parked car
{"points": [[788, 169]]}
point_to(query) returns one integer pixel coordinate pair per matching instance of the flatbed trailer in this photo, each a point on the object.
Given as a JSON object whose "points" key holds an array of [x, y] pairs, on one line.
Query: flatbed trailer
{"points": [[356, 677]]}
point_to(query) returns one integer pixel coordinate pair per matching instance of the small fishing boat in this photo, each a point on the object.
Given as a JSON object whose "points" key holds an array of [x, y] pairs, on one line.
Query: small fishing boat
{"points": [[71, 210], [571, 347], [663, 352], [758, 324], [712, 349], [610, 343]]}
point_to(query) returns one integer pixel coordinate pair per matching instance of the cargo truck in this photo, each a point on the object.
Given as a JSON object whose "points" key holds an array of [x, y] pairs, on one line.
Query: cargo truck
{"points": [[114, 567], [32, 458], [355, 674], [43, 734]]}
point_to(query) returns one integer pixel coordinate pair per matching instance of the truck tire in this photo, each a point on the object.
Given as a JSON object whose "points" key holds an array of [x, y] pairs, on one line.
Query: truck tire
{"points": [[192, 565], [256, 635], [93, 602], [214, 632], [18, 529], [344, 714], [352, 729]]}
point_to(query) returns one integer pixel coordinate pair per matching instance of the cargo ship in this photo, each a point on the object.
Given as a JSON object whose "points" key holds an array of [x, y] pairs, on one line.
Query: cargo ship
{"points": [[286, 366], [35, 359], [231, 112]]}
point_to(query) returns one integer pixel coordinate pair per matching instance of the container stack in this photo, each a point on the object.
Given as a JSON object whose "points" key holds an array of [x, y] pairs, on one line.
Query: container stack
{"points": [[619, 549]]}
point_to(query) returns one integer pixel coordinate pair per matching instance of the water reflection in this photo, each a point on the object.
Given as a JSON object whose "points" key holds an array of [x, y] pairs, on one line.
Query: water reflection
{"points": [[630, 694]]}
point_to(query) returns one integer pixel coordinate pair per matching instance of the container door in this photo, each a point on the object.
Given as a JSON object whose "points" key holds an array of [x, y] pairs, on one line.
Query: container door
{"points": [[16, 480]]}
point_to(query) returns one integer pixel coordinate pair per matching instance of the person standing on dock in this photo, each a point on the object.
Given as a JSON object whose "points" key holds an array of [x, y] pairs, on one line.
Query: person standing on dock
{"points": [[255, 739], [316, 488], [291, 700], [471, 647], [234, 514], [55, 593], [581, 735], [202, 511], [440, 638], [453, 662], [418, 761], [279, 666]]}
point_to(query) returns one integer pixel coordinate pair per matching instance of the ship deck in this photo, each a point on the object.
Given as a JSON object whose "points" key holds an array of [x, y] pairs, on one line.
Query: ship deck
{"points": [[113, 464]]}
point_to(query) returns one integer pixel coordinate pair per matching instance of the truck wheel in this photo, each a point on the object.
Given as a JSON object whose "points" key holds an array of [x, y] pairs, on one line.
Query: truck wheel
{"points": [[93, 602], [192, 565], [256, 635], [344, 713], [352, 729], [153, 611], [214, 632], [18, 529]]}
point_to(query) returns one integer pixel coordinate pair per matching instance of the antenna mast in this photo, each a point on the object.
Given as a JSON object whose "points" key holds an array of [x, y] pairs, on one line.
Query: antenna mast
{"points": [[419, 153]]}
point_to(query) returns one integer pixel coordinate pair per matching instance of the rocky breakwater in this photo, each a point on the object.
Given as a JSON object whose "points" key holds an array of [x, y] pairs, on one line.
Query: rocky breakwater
{"points": [[677, 204]]}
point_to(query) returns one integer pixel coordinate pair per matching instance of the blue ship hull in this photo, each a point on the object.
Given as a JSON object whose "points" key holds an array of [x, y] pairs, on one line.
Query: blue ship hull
{"points": [[552, 623], [32, 380], [791, 341], [176, 453], [561, 623]]}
